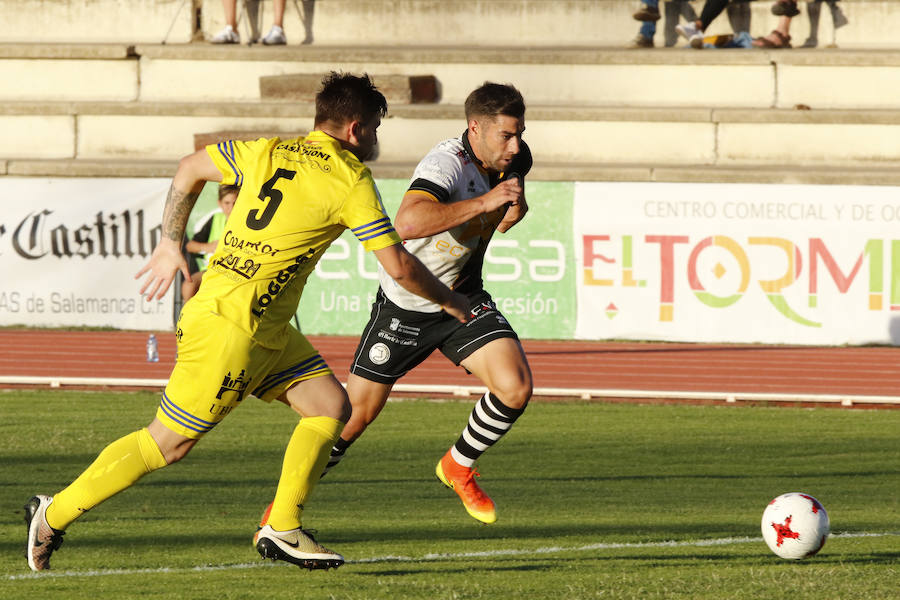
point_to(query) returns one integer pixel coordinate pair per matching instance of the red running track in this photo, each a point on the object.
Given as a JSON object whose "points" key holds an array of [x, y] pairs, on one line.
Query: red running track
{"points": [[578, 365]]}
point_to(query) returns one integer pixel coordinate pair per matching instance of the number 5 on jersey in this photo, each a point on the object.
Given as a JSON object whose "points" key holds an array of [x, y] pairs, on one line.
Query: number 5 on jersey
{"points": [[257, 221]]}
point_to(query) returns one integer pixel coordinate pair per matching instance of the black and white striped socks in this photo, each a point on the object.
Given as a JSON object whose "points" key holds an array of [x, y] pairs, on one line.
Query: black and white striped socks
{"points": [[489, 421]]}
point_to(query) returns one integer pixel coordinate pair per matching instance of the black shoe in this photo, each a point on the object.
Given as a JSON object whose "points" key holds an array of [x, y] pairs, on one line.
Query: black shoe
{"points": [[785, 8]]}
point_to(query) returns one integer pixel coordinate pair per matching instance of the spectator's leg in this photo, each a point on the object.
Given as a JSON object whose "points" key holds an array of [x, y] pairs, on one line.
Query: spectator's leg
{"points": [[687, 11], [837, 15], [711, 10], [814, 10], [672, 10], [644, 37], [278, 7], [739, 16], [230, 7]]}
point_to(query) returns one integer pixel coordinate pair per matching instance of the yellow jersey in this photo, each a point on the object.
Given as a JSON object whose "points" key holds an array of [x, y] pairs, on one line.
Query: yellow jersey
{"points": [[297, 196]]}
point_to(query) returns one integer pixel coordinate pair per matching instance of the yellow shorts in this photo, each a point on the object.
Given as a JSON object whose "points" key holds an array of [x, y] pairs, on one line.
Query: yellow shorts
{"points": [[219, 365]]}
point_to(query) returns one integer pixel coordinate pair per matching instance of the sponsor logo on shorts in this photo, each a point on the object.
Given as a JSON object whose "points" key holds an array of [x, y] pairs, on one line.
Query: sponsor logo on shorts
{"points": [[379, 353], [481, 309], [485, 310], [395, 339], [399, 327]]}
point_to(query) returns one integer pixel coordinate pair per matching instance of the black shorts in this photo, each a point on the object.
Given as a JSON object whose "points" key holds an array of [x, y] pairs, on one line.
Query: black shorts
{"points": [[397, 340]]}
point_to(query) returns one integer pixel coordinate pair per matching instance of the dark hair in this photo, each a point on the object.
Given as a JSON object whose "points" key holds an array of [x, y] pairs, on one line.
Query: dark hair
{"points": [[345, 97], [494, 99], [225, 189]]}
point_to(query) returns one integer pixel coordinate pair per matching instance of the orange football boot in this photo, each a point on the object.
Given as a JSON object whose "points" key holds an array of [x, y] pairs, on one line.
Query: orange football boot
{"points": [[462, 481], [262, 523]]}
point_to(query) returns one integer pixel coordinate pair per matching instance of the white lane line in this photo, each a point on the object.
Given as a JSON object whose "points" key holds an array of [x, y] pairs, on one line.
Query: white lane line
{"points": [[434, 556]]}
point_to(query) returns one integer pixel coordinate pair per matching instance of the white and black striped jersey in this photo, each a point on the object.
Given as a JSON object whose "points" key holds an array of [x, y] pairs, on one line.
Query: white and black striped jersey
{"points": [[450, 173]]}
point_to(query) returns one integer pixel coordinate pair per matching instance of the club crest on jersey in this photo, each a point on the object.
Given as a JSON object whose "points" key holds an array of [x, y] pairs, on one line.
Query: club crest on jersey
{"points": [[238, 385]]}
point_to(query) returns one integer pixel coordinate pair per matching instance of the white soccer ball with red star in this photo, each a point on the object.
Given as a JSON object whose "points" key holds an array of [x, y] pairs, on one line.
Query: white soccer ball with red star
{"points": [[795, 525]]}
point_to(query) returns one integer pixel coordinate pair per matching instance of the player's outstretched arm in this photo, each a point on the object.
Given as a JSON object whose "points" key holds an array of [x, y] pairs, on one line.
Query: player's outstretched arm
{"points": [[193, 171], [420, 216], [409, 272]]}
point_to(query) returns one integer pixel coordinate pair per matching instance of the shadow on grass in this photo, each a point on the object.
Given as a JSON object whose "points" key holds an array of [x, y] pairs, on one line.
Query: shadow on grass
{"points": [[493, 566], [496, 477]]}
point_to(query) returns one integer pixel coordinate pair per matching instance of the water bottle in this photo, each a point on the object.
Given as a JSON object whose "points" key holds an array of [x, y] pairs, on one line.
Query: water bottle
{"points": [[152, 349]]}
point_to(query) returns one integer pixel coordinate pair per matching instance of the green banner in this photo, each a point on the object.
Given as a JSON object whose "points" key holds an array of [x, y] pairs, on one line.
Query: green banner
{"points": [[529, 271]]}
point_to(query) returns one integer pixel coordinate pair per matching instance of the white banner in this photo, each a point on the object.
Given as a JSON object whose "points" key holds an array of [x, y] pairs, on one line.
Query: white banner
{"points": [[793, 264], [69, 250]]}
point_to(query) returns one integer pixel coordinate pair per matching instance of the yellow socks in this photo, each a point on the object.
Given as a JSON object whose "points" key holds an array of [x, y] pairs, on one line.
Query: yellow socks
{"points": [[304, 460], [117, 467], [129, 458]]}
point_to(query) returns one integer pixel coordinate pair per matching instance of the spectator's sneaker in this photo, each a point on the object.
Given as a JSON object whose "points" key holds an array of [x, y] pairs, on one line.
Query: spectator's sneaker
{"points": [[226, 36], [275, 37], [692, 34], [42, 539], [462, 481], [296, 546], [262, 523], [641, 41], [646, 13], [785, 8]]}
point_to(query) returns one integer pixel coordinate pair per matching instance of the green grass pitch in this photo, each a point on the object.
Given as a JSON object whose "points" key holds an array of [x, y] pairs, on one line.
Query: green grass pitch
{"points": [[595, 500]]}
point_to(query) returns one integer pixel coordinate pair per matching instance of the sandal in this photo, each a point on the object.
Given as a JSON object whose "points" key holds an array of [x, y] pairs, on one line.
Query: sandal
{"points": [[785, 8], [775, 40]]}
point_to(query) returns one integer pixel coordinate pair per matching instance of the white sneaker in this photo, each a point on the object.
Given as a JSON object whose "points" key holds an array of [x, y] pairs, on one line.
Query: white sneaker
{"points": [[275, 37], [691, 33], [226, 36], [296, 546]]}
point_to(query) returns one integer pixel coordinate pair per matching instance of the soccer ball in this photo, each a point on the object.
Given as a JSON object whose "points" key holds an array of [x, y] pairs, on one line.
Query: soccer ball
{"points": [[795, 525]]}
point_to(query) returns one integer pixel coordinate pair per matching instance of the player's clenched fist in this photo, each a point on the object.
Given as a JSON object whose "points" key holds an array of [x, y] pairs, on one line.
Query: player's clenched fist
{"points": [[507, 192]]}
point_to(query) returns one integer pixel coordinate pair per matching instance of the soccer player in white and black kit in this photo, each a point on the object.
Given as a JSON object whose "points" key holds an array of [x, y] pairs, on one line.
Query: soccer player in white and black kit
{"points": [[462, 191]]}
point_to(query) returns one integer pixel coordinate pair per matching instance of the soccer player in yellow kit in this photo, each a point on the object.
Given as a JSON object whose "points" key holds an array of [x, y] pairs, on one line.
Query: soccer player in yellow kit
{"points": [[234, 337]]}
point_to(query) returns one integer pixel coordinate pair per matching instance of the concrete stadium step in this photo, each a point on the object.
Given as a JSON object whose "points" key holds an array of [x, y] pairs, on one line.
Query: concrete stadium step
{"points": [[576, 135], [523, 23], [303, 87], [543, 171], [822, 79]]}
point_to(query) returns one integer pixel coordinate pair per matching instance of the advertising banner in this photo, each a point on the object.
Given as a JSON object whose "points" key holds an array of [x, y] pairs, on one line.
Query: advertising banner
{"points": [[528, 270], [69, 250], [792, 264], [746, 263]]}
